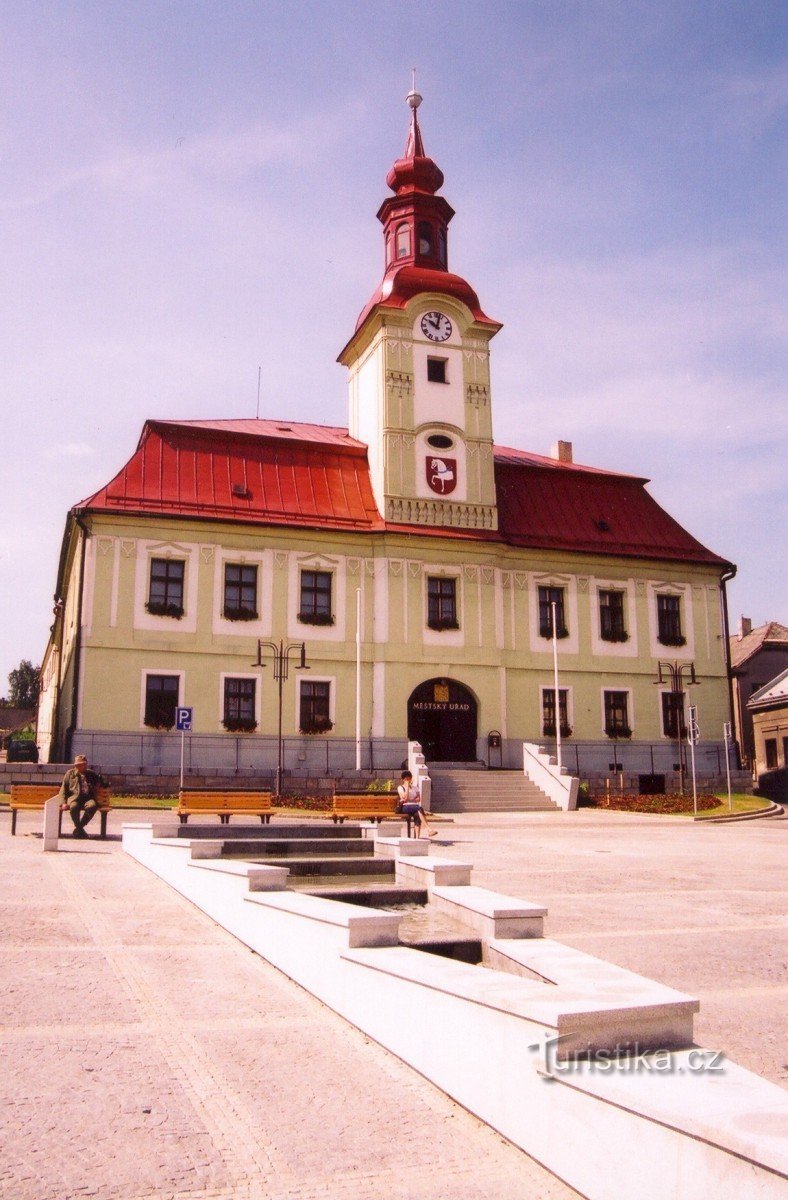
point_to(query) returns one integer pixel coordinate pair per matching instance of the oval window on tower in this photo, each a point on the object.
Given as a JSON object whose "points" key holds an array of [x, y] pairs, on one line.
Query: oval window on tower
{"points": [[403, 241], [439, 441]]}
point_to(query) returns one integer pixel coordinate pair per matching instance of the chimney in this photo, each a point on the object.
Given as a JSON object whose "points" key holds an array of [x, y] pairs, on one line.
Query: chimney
{"points": [[745, 627], [562, 452]]}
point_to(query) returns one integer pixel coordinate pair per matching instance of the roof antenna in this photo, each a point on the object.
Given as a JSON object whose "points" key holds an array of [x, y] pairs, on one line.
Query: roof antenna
{"points": [[259, 373], [413, 98]]}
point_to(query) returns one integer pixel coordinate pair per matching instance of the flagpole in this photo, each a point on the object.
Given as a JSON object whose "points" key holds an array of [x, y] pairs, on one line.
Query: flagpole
{"points": [[358, 679], [557, 692]]}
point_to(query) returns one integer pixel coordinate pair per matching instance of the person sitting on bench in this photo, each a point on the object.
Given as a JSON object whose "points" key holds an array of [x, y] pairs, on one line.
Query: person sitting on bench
{"points": [[410, 803], [79, 794]]}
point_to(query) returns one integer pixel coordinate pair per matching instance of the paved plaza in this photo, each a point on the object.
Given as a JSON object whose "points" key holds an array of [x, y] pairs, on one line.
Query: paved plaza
{"points": [[147, 1054]]}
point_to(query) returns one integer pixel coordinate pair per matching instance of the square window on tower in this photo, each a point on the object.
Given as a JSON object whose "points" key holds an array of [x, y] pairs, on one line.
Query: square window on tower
{"points": [[436, 370]]}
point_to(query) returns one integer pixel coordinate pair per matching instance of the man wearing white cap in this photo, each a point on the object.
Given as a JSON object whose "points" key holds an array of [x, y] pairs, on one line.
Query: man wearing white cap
{"points": [[79, 794]]}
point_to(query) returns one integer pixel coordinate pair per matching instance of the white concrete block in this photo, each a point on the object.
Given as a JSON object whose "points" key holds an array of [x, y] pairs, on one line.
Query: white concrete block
{"points": [[51, 821], [395, 847], [431, 872], [490, 914], [260, 876]]}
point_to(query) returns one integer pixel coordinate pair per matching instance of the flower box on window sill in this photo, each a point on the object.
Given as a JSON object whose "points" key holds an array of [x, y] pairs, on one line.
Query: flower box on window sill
{"points": [[619, 731], [316, 618], [158, 609], [615, 635], [160, 726], [239, 614], [563, 632], [440, 625], [238, 725], [672, 639], [549, 731], [318, 725]]}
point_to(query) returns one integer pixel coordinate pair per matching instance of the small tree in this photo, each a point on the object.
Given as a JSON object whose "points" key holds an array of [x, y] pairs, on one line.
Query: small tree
{"points": [[24, 685]]}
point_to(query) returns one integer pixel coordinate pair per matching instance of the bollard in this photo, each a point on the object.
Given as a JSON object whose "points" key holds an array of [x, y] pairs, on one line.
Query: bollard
{"points": [[51, 822]]}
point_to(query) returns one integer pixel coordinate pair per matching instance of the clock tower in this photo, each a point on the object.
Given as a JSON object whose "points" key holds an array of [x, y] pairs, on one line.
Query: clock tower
{"points": [[419, 363]]}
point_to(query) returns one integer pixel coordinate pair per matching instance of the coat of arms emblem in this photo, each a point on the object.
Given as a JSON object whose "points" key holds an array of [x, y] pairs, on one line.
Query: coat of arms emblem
{"points": [[441, 474]]}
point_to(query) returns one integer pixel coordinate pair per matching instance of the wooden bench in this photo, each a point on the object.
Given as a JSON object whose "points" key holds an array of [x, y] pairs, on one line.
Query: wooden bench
{"points": [[31, 797], [224, 804], [368, 806]]}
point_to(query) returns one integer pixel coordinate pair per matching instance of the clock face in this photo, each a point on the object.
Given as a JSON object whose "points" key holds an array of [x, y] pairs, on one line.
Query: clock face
{"points": [[436, 327]]}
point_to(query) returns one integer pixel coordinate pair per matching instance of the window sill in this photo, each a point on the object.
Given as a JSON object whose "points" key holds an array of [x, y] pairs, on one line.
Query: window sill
{"points": [[240, 726], [239, 614], [614, 637], [618, 734], [314, 619], [439, 626], [548, 633], [668, 639]]}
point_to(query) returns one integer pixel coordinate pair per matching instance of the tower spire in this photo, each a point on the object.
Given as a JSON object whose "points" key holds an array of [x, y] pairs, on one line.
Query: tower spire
{"points": [[414, 147]]}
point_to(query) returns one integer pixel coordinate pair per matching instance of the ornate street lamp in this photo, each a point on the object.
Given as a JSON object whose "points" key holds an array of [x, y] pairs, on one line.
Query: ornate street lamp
{"points": [[281, 656], [674, 673]]}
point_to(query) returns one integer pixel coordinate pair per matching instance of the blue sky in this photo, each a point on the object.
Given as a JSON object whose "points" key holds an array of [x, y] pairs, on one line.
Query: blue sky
{"points": [[189, 189]]}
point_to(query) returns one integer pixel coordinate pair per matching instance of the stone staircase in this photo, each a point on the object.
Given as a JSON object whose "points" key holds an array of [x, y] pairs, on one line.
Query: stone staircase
{"points": [[458, 789]]}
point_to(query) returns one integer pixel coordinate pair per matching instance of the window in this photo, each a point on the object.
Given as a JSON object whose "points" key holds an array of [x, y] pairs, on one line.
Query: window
{"points": [[442, 603], [674, 723], [239, 705], [770, 751], [548, 596], [669, 621], [611, 617], [316, 598], [616, 716], [439, 441], [240, 592], [161, 699], [425, 237], [436, 370], [315, 707], [388, 248], [548, 712], [165, 596], [403, 241], [442, 246]]}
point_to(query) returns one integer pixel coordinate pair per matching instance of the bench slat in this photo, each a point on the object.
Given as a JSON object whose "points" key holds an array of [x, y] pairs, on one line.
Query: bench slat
{"points": [[224, 804]]}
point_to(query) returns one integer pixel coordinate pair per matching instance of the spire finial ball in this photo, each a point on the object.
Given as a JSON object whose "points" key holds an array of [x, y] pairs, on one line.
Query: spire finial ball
{"points": [[414, 99]]}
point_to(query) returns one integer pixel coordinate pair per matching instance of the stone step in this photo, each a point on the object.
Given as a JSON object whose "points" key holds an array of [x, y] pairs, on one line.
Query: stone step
{"points": [[490, 791], [339, 865], [301, 847], [323, 831]]}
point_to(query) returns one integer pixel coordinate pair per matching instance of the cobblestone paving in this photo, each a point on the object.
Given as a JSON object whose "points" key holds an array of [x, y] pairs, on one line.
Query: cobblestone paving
{"points": [[148, 1056]]}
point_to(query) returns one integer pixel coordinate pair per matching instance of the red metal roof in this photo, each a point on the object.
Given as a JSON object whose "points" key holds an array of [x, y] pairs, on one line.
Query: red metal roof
{"points": [[255, 472], [317, 476], [545, 504], [401, 283]]}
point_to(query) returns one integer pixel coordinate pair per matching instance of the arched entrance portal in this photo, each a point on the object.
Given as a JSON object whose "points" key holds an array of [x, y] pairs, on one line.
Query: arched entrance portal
{"points": [[442, 716]]}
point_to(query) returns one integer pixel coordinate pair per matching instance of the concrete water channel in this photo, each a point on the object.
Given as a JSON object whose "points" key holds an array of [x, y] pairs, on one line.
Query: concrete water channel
{"points": [[341, 865], [565, 1054]]}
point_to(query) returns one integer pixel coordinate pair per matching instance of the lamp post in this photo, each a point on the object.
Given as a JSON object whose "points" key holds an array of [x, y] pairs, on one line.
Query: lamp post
{"points": [[281, 656], [674, 673], [556, 690]]}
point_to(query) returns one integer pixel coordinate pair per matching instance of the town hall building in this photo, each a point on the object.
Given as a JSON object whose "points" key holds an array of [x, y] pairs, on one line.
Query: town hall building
{"points": [[430, 575]]}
